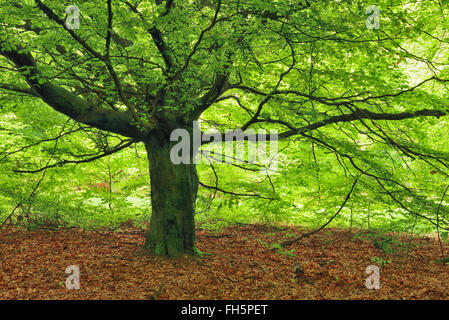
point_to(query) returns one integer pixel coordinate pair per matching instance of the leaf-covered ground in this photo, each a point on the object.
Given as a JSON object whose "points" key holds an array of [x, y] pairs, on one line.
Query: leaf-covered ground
{"points": [[244, 265]]}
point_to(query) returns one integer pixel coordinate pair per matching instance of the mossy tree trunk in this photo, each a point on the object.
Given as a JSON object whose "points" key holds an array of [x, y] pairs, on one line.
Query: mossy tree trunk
{"points": [[173, 195]]}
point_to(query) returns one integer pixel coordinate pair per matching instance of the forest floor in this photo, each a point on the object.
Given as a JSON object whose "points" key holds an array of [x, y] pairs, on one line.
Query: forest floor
{"points": [[244, 264]]}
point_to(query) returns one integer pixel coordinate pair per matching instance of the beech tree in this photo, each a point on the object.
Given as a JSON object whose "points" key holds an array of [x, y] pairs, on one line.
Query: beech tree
{"points": [[326, 72]]}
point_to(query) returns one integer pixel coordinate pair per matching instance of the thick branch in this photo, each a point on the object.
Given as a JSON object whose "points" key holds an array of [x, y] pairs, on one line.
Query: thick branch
{"points": [[364, 114], [157, 36], [104, 58], [357, 115], [66, 102]]}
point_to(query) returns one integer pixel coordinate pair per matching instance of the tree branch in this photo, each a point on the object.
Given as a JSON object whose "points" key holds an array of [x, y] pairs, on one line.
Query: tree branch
{"points": [[66, 102], [289, 242], [118, 148]]}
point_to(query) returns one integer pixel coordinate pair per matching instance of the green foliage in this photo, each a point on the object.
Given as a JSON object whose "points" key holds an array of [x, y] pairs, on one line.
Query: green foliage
{"points": [[276, 246], [289, 253], [279, 248], [381, 261], [323, 51]]}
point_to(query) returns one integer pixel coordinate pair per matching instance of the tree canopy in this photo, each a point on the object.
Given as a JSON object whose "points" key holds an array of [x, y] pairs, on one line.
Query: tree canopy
{"points": [[358, 108]]}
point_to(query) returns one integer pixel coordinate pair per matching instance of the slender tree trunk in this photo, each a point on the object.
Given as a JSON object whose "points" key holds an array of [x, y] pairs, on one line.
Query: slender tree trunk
{"points": [[173, 196]]}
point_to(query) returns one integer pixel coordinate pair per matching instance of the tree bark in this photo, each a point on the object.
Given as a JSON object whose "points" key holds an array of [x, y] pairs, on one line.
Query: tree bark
{"points": [[173, 196]]}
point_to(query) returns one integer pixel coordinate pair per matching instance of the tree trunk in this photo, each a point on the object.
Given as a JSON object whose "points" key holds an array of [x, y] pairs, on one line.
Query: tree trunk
{"points": [[173, 196]]}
